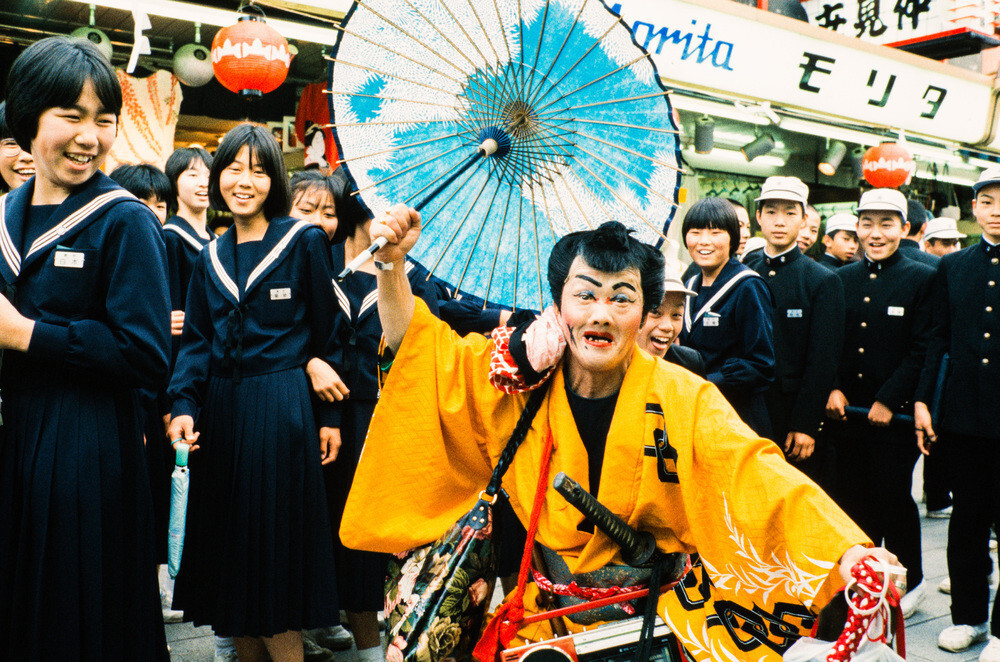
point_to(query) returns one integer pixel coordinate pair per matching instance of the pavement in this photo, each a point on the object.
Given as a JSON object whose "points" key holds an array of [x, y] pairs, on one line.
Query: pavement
{"points": [[190, 644]]}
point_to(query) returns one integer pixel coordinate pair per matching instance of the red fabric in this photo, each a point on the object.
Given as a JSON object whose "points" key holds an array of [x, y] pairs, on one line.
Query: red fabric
{"points": [[507, 619], [586, 592], [867, 604], [504, 374], [314, 107]]}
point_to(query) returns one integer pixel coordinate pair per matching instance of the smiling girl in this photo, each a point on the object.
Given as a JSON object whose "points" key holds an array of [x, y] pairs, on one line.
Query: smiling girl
{"points": [[729, 320], [258, 557], [86, 328], [16, 165]]}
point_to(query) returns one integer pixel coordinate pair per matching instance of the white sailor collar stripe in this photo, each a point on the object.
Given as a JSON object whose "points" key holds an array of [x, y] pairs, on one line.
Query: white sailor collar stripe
{"points": [[9, 250], [345, 303], [185, 235], [723, 291], [272, 258]]}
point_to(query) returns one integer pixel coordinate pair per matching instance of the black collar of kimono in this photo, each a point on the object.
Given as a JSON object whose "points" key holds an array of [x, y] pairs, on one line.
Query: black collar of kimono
{"points": [[785, 258], [874, 266], [75, 213], [183, 228], [276, 245]]}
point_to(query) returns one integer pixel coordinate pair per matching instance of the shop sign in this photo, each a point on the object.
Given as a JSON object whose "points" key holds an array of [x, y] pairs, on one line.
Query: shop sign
{"points": [[729, 48], [889, 21]]}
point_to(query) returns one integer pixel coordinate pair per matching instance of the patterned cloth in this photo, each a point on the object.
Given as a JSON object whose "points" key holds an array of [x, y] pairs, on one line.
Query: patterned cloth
{"points": [[679, 463], [150, 109]]}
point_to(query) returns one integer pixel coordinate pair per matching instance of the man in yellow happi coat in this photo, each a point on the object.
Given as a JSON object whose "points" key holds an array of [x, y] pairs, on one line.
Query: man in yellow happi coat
{"points": [[677, 460]]}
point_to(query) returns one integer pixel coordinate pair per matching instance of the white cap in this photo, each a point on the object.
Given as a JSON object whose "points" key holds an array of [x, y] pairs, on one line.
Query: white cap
{"points": [[883, 199], [753, 243], [784, 188], [673, 283], [837, 222], [943, 228], [989, 176]]}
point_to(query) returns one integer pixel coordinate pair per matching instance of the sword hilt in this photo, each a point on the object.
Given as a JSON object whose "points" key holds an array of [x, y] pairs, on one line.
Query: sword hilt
{"points": [[638, 547]]}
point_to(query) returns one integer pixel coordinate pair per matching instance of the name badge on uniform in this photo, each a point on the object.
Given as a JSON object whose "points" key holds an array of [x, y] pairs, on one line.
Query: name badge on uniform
{"points": [[71, 259], [281, 293], [896, 311], [794, 312], [711, 319]]}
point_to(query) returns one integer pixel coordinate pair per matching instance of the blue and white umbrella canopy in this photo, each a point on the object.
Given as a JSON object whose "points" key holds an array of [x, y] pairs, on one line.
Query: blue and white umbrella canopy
{"points": [[416, 85]]}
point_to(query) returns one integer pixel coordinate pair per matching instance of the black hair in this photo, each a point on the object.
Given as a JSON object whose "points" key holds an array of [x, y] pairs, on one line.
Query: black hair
{"points": [[736, 203], [305, 181], [264, 150], [916, 216], [350, 213], [714, 213], [144, 181], [51, 73], [610, 248], [4, 129], [182, 159]]}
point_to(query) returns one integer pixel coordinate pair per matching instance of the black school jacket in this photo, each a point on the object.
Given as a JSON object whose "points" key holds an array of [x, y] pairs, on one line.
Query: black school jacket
{"points": [[808, 338], [966, 299]]}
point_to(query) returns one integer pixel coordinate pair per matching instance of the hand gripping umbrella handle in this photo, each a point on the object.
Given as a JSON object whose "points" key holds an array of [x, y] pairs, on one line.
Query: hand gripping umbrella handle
{"points": [[493, 144], [638, 547]]}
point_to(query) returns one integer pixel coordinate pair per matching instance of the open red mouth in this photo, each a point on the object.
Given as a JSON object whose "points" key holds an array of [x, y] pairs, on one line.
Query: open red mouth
{"points": [[598, 338]]}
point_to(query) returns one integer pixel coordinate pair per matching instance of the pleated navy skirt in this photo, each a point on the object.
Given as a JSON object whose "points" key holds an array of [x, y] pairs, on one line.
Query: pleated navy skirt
{"points": [[360, 574], [258, 554], [160, 465], [77, 568]]}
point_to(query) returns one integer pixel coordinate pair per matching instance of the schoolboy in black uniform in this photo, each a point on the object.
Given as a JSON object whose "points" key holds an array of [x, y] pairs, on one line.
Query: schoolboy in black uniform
{"points": [[967, 327], [840, 241], [909, 245], [808, 327], [887, 330]]}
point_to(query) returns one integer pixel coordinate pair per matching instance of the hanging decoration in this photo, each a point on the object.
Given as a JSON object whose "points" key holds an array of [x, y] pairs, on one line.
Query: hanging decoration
{"points": [[888, 165], [193, 62], [250, 57]]}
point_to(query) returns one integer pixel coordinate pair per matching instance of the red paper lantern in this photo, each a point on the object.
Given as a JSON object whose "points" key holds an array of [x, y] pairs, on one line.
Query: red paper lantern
{"points": [[888, 165], [250, 57]]}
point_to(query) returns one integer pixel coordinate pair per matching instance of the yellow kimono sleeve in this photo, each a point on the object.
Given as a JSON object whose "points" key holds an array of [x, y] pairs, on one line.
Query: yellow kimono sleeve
{"points": [[758, 522], [426, 455]]}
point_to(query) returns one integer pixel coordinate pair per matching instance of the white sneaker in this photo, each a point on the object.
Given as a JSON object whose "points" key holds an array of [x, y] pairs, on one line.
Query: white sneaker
{"points": [[956, 638], [908, 603], [992, 651], [945, 585]]}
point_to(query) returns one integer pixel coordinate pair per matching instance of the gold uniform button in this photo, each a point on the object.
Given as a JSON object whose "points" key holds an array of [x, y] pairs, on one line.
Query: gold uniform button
{"points": [[872, 276], [868, 299], [994, 260], [986, 335], [860, 375], [772, 273], [992, 283], [864, 325], [989, 309], [861, 350], [986, 361]]}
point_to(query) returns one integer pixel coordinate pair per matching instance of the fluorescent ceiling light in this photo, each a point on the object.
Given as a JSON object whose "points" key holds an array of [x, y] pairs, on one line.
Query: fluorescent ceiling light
{"points": [[186, 11]]}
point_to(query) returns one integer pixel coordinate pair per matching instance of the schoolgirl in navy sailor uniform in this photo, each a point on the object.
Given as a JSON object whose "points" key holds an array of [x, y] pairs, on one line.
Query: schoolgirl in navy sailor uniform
{"points": [[258, 557], [84, 326]]}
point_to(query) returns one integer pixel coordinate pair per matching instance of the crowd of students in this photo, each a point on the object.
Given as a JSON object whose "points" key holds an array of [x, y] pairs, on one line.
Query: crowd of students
{"points": [[132, 326]]}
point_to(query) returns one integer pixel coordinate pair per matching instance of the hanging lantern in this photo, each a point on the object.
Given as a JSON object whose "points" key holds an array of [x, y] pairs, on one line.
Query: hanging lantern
{"points": [[888, 165], [94, 36], [193, 65], [250, 57]]}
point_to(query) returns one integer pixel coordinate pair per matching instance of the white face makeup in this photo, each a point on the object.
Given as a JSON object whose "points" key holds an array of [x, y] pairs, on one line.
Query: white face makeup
{"points": [[602, 313]]}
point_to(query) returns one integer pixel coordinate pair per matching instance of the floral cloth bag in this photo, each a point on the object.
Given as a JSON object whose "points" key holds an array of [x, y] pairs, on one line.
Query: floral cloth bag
{"points": [[436, 596]]}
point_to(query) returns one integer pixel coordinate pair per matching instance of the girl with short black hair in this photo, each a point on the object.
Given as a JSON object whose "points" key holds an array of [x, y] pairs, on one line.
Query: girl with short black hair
{"points": [[258, 557], [729, 321], [146, 182], [87, 330]]}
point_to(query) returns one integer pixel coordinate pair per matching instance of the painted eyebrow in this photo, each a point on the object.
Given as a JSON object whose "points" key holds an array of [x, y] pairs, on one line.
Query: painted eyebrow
{"points": [[623, 284], [590, 280]]}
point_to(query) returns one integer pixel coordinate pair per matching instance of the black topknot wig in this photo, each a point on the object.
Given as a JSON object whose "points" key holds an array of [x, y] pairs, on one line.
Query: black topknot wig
{"points": [[610, 248]]}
